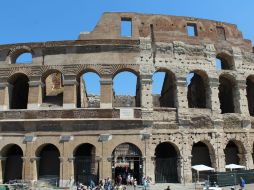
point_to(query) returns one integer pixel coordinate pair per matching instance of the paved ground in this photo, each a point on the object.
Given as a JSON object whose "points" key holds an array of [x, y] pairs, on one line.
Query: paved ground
{"points": [[191, 186]]}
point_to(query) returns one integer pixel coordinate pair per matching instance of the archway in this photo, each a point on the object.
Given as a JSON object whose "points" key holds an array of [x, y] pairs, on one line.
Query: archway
{"points": [[49, 164], [231, 153], [226, 94], [166, 163], [164, 89], [197, 89], [250, 94], [127, 159], [200, 154], [13, 165], [19, 91], [126, 90], [224, 62], [88, 90], [24, 58], [85, 166], [52, 93]]}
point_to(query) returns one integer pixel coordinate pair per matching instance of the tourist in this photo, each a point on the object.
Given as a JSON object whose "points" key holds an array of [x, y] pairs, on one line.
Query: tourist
{"points": [[135, 183], [242, 183], [168, 188]]}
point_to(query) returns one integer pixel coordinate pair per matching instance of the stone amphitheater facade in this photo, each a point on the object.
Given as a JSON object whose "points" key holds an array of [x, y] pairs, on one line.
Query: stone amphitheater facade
{"points": [[209, 121]]}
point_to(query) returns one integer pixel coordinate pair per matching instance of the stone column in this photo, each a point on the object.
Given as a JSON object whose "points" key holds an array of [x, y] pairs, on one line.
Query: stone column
{"points": [[34, 168], [146, 91], [2, 160], [182, 101], [240, 100], [248, 160], [71, 161], [70, 93], [214, 93], [4, 95], [35, 94], [106, 97]]}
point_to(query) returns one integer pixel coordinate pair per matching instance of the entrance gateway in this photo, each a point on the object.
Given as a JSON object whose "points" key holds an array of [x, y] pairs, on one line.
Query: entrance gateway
{"points": [[127, 160]]}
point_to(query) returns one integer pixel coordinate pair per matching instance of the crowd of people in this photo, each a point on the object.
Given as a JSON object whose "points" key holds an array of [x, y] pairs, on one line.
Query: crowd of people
{"points": [[108, 184]]}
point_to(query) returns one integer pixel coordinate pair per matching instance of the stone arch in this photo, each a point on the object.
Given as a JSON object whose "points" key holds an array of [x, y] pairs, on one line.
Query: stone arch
{"points": [[12, 164], [167, 165], [52, 91], [84, 99], [235, 152], [167, 97], [17, 51], [85, 165], [127, 159], [198, 89], [225, 60], [18, 91], [250, 93], [227, 93], [49, 162], [127, 99], [208, 158]]}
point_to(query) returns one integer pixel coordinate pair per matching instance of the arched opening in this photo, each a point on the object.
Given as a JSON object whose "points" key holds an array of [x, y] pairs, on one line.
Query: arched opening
{"points": [[197, 89], [164, 89], [126, 91], [224, 62], [231, 153], [24, 58], [52, 92], [166, 163], [250, 94], [13, 165], [127, 160], [19, 91], [226, 94], [85, 166], [200, 154], [88, 91], [49, 164]]}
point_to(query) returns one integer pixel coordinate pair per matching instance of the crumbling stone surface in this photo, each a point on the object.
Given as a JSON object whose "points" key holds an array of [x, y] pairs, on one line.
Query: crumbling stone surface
{"points": [[212, 114]]}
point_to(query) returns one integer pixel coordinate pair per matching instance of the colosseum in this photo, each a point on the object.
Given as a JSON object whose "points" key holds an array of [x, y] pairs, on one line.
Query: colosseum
{"points": [[52, 128]]}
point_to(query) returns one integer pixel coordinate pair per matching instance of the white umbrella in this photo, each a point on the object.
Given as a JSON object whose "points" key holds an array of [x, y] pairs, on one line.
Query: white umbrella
{"points": [[202, 167], [234, 166]]}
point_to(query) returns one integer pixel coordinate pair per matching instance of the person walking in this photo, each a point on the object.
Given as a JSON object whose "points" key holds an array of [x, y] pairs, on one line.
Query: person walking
{"points": [[242, 183]]}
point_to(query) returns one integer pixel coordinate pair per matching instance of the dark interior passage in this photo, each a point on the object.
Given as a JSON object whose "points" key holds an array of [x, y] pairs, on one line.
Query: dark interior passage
{"points": [[49, 164], [226, 95], [13, 164], [196, 92], [231, 153], [250, 94], [19, 92], [85, 167], [225, 62], [166, 164], [200, 154]]}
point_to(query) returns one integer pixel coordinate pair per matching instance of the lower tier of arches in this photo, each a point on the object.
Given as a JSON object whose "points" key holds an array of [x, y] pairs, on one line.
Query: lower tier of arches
{"points": [[164, 157]]}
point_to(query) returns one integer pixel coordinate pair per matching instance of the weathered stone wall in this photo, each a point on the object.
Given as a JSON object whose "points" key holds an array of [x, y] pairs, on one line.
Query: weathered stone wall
{"points": [[158, 43]]}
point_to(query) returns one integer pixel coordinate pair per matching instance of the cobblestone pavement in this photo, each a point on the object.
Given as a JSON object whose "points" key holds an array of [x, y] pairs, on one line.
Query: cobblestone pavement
{"points": [[190, 186]]}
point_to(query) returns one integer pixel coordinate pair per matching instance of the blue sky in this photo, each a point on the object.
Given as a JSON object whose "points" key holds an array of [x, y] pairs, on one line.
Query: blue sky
{"points": [[53, 20]]}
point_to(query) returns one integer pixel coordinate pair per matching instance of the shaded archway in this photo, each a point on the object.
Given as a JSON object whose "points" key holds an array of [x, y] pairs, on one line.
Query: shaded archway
{"points": [[19, 91], [200, 154], [49, 163], [13, 165], [226, 94], [224, 62], [231, 153], [85, 166], [52, 92], [88, 90], [197, 89], [126, 89], [164, 89], [250, 94], [127, 159], [166, 163]]}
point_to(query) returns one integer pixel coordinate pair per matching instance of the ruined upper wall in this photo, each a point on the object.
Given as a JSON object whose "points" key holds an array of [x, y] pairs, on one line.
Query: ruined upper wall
{"points": [[165, 28]]}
